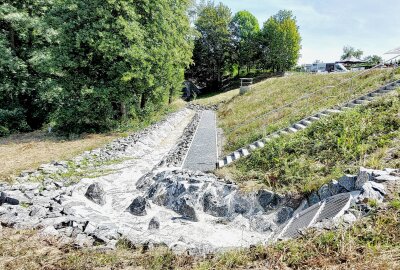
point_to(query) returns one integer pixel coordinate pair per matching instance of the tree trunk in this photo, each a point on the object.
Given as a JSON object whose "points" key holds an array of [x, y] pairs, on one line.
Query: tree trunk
{"points": [[143, 101], [171, 94], [123, 110]]}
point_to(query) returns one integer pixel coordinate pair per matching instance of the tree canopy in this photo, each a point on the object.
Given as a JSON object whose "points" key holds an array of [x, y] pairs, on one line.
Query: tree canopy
{"points": [[88, 65], [349, 51]]}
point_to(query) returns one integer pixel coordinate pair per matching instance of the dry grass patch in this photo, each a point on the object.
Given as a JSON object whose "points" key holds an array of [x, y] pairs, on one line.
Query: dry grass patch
{"points": [[27, 151], [372, 243]]}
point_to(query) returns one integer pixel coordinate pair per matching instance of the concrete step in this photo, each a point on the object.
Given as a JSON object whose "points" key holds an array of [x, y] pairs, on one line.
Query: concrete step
{"points": [[369, 98], [351, 104], [375, 94], [228, 160], [320, 115], [313, 118], [283, 132], [236, 155], [266, 139], [244, 152], [331, 111], [252, 147], [292, 130], [360, 101], [306, 122], [299, 126], [384, 91], [260, 144]]}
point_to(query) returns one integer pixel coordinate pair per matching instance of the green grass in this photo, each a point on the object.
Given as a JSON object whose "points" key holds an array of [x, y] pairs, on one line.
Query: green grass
{"points": [[304, 161], [247, 118]]}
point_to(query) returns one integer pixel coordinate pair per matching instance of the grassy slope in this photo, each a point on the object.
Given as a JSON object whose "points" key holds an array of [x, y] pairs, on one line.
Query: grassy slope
{"points": [[366, 136], [373, 243], [27, 151], [237, 111]]}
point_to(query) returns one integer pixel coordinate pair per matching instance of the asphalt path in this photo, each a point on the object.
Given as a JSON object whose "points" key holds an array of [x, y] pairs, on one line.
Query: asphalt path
{"points": [[202, 154]]}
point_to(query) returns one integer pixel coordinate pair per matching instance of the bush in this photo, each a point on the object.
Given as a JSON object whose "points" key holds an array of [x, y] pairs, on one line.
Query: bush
{"points": [[12, 121]]}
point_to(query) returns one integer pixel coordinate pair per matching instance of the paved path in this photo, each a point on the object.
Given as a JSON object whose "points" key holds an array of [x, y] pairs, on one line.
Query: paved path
{"points": [[202, 154]]}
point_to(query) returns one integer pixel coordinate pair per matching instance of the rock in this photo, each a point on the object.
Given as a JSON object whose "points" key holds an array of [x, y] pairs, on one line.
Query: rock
{"points": [[240, 204], [82, 240], [2, 198], [348, 182], [363, 177], [349, 218], [268, 200], [313, 199], [283, 215], [154, 224], [37, 211], [324, 192], [138, 206], [50, 231], [379, 187], [214, 206], [386, 178], [182, 207], [95, 193], [262, 224], [335, 188], [369, 192]]}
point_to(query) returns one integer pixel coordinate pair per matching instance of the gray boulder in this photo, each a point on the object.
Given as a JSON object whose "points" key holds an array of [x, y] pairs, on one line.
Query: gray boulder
{"points": [[214, 206], [348, 182], [138, 207], [268, 200], [363, 177], [96, 194], [283, 215], [240, 204], [313, 199], [181, 206], [324, 192], [154, 224]]}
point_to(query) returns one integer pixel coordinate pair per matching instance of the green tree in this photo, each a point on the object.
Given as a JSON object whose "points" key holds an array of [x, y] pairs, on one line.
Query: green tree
{"points": [[28, 91], [117, 59], [212, 52], [374, 59], [349, 51], [167, 25], [245, 29], [281, 41]]}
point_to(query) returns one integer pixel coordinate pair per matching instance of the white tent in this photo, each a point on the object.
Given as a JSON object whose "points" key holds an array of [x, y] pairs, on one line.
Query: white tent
{"points": [[394, 51]]}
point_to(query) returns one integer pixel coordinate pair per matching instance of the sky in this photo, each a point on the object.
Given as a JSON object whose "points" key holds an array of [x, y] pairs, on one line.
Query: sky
{"points": [[326, 26]]}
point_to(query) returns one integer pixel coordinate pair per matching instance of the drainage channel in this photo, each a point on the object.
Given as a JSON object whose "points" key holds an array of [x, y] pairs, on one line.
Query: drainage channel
{"points": [[202, 154]]}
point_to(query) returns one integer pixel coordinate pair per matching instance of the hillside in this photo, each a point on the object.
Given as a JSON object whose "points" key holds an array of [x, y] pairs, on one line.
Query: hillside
{"points": [[247, 118]]}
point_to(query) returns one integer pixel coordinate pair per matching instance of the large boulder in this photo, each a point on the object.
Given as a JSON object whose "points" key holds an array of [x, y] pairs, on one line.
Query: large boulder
{"points": [[214, 206], [183, 207], [268, 200], [154, 224], [95, 193], [138, 207]]}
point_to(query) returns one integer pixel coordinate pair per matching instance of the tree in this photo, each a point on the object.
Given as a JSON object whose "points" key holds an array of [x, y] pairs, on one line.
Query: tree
{"points": [[212, 51], [117, 59], [167, 25], [28, 92], [349, 51], [244, 28], [281, 41], [374, 59]]}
